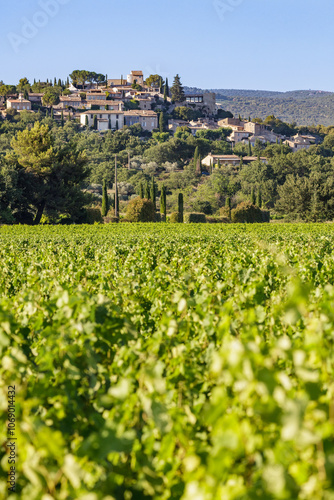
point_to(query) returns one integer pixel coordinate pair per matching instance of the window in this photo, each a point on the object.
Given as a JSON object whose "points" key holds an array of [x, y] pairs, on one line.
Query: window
{"points": [[116, 117]]}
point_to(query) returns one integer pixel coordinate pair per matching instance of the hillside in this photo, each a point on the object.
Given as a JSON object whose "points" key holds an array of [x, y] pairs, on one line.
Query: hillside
{"points": [[304, 107]]}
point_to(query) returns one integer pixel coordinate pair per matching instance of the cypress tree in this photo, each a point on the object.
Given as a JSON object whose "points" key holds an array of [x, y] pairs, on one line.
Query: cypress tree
{"points": [[69, 116], [109, 123], [106, 81], [141, 190], [59, 82], [116, 124], [196, 155], [152, 192], [249, 149], [55, 81], [52, 113], [167, 87], [47, 113], [26, 94], [105, 201], [228, 206], [147, 191], [253, 200], [86, 121], [62, 118], [180, 207], [116, 199], [163, 204], [95, 122], [165, 93], [259, 198], [241, 162], [160, 85], [67, 82], [161, 122], [199, 166]]}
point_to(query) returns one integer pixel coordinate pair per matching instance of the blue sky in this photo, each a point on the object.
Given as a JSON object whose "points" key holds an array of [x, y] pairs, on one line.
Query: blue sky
{"points": [[241, 44]]}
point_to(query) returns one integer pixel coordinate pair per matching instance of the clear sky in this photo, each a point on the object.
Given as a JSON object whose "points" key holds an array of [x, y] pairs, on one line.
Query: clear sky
{"points": [[240, 44]]}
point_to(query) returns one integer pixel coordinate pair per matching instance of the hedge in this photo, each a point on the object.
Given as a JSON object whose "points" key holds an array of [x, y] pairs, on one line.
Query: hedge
{"points": [[194, 218]]}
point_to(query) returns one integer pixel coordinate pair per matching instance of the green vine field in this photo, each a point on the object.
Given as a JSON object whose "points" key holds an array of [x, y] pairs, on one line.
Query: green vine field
{"points": [[168, 361]]}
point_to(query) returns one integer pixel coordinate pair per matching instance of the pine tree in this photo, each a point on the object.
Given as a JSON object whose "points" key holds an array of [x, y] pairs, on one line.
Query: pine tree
{"points": [[249, 149], [163, 204], [95, 122], [177, 91], [253, 200], [141, 190], [259, 198], [161, 122], [180, 207], [147, 191], [62, 118], [105, 200], [152, 192]]}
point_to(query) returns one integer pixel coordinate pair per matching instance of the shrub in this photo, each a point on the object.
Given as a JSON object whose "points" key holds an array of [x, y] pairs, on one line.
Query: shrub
{"points": [[247, 212], [93, 215], [194, 218], [110, 219], [204, 207], [174, 217], [24, 217], [225, 212], [140, 210], [217, 220]]}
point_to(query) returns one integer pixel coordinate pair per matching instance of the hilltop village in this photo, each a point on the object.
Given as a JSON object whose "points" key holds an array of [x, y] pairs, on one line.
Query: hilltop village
{"points": [[94, 145]]}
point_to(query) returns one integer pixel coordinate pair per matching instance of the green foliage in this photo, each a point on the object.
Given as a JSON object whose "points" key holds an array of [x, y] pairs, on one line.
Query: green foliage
{"points": [[105, 199], [177, 91], [180, 207], [93, 215], [140, 210], [203, 207], [246, 212], [174, 217], [194, 218], [168, 361]]}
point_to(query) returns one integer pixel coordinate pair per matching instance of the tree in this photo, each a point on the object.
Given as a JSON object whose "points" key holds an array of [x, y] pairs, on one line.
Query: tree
{"points": [[253, 200], [259, 198], [154, 81], [199, 166], [95, 122], [52, 113], [180, 207], [6, 90], [62, 118], [161, 122], [147, 191], [177, 91], [167, 88], [163, 203], [140, 210], [249, 149], [51, 175], [141, 190], [105, 199], [23, 84], [51, 97], [152, 192], [228, 206]]}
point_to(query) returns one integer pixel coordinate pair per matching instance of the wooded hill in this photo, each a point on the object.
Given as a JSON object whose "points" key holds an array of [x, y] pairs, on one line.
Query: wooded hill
{"points": [[304, 107]]}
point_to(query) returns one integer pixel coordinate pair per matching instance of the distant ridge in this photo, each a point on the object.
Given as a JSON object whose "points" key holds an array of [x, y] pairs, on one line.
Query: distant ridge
{"points": [[303, 107]]}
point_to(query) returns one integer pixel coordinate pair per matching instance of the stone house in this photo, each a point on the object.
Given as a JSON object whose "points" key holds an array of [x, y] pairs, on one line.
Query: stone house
{"points": [[20, 104], [105, 119]]}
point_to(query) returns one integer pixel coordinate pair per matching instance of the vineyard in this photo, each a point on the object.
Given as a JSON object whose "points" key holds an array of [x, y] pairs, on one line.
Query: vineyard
{"points": [[168, 361]]}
